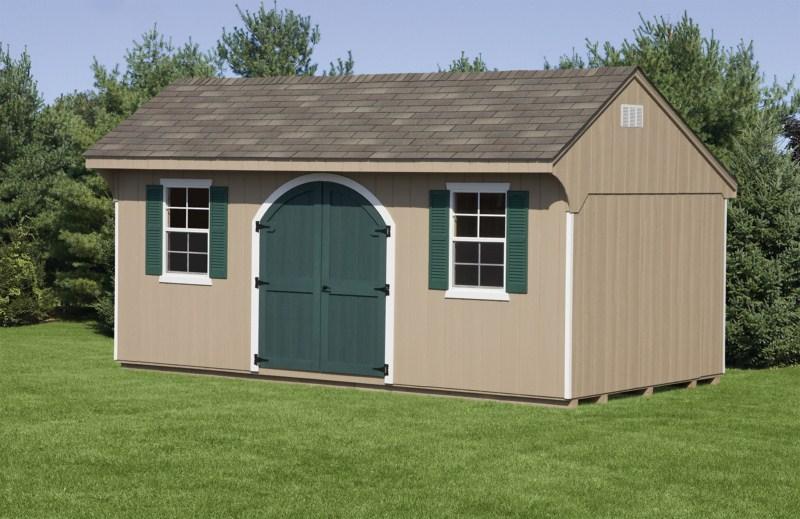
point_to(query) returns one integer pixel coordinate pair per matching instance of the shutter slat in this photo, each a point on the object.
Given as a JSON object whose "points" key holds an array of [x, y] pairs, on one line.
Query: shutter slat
{"points": [[218, 229], [154, 226], [438, 240], [517, 242]]}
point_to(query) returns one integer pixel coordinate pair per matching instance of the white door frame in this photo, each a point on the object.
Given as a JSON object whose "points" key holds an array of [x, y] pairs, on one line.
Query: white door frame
{"points": [[390, 247]]}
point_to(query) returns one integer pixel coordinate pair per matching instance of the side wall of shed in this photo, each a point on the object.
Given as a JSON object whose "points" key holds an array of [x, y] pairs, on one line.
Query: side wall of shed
{"points": [[513, 347], [649, 231], [648, 299]]}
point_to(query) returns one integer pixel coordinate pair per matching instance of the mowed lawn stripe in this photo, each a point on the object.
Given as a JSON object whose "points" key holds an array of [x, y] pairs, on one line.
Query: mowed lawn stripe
{"points": [[82, 437]]}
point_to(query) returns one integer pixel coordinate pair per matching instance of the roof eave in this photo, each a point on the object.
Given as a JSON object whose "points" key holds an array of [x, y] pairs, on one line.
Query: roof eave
{"points": [[330, 166]]}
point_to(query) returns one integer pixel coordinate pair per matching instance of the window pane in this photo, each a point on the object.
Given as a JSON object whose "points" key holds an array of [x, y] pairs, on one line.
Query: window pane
{"points": [[176, 262], [177, 217], [466, 275], [177, 196], [198, 198], [493, 227], [197, 263], [176, 241], [466, 203], [493, 203], [491, 276], [466, 225], [198, 219], [466, 252], [491, 253], [198, 242]]}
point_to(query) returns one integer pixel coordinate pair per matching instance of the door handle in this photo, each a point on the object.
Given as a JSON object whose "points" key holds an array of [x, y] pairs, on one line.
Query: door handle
{"points": [[326, 288]]}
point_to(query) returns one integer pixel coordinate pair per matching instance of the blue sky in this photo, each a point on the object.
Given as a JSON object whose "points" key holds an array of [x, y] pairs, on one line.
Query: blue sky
{"points": [[409, 36]]}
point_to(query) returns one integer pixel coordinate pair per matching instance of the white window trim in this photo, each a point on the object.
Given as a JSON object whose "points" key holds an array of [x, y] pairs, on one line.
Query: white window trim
{"points": [[181, 278], [477, 293], [481, 294]]}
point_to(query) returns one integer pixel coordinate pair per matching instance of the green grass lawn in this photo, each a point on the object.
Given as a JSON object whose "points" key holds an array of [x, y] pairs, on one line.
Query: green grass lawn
{"points": [[82, 437]]}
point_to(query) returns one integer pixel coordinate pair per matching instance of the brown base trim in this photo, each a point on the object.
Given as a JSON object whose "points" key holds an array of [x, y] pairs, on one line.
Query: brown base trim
{"points": [[181, 367], [471, 395], [648, 391], [314, 376], [520, 399]]}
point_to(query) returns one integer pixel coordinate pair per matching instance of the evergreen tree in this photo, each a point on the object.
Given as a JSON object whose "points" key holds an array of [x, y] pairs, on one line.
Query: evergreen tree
{"points": [[274, 43], [150, 65], [764, 251], [573, 60], [24, 295], [791, 130], [341, 67], [464, 64], [19, 102]]}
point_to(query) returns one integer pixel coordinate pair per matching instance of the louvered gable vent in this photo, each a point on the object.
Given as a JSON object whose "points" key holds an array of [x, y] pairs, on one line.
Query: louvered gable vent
{"points": [[632, 116]]}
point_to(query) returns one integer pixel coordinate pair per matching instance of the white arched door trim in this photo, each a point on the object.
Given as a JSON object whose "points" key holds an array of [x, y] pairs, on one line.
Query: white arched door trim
{"points": [[390, 247]]}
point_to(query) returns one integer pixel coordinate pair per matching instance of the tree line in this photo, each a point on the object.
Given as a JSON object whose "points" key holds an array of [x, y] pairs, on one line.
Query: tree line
{"points": [[56, 217]]}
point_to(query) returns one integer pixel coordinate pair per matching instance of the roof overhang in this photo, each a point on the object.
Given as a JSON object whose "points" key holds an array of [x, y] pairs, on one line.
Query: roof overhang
{"points": [[368, 166]]}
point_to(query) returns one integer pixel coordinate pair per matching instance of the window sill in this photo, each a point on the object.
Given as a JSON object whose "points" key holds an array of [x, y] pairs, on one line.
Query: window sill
{"points": [[185, 279], [482, 294]]}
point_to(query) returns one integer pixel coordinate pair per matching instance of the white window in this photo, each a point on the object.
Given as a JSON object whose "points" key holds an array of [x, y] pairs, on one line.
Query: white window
{"points": [[186, 218], [477, 241]]}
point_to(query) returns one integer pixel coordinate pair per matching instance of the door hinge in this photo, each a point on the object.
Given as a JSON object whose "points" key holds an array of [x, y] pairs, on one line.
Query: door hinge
{"points": [[384, 289], [386, 230], [384, 369], [258, 360], [260, 226], [259, 282]]}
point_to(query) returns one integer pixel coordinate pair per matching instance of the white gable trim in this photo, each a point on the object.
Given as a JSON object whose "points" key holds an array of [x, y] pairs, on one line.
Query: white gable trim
{"points": [[390, 260]]}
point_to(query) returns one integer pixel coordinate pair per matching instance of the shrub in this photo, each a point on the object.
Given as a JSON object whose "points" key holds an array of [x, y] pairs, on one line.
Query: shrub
{"points": [[23, 296], [104, 311]]}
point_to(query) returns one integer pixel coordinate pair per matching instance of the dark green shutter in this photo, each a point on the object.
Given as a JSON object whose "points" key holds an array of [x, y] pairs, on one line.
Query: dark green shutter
{"points": [[154, 216], [218, 228], [439, 240], [517, 242]]}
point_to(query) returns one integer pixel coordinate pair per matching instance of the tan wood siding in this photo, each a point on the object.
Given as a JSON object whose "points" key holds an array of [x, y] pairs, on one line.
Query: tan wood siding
{"points": [[648, 298], [658, 158], [513, 347]]}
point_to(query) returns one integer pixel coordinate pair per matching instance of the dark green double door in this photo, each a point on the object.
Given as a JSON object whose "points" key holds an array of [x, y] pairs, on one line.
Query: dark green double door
{"points": [[322, 292]]}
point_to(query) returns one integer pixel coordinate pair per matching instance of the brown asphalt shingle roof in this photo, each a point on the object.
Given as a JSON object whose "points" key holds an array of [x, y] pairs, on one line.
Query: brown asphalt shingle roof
{"points": [[527, 115]]}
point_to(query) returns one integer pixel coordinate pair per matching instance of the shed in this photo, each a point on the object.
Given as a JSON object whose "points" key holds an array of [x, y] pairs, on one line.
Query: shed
{"points": [[540, 235]]}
